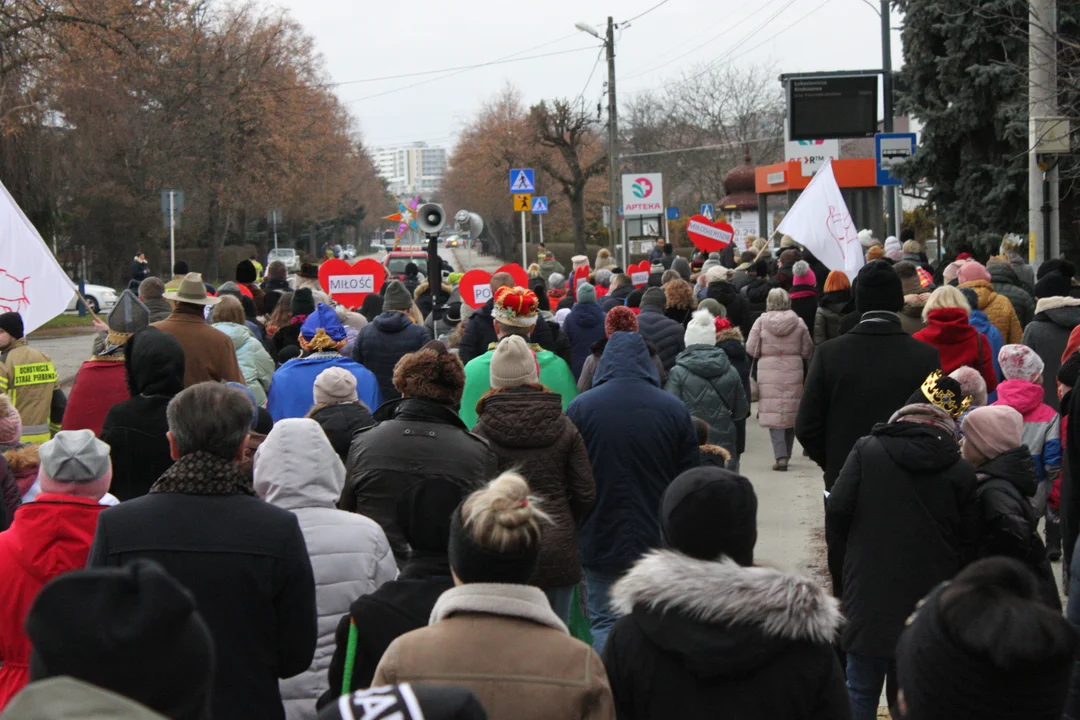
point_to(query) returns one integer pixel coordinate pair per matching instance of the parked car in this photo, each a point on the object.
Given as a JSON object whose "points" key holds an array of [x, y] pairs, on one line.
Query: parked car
{"points": [[98, 297], [350, 252], [288, 256], [453, 241]]}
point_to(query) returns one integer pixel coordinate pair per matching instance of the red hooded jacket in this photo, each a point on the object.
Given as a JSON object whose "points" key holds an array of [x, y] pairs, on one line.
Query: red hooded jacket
{"points": [[959, 344], [49, 536]]}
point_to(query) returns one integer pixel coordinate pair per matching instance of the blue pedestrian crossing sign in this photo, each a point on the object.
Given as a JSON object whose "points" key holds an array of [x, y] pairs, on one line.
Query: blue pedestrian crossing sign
{"points": [[673, 213], [539, 206], [707, 210], [522, 180]]}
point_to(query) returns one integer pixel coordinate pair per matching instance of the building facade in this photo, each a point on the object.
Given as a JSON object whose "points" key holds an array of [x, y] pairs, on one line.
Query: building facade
{"points": [[414, 169]]}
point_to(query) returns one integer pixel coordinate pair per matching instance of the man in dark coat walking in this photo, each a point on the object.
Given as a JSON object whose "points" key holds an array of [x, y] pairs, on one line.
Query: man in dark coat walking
{"points": [[388, 338], [584, 326], [665, 334], [244, 560], [639, 438], [621, 287], [479, 333], [417, 436], [860, 379], [903, 517]]}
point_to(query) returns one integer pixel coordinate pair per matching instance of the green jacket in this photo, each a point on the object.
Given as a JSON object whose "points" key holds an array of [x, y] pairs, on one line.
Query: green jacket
{"points": [[554, 374]]}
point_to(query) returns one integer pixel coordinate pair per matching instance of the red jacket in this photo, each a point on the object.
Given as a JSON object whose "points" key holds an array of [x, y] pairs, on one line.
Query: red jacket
{"points": [[958, 343], [99, 385], [49, 536]]}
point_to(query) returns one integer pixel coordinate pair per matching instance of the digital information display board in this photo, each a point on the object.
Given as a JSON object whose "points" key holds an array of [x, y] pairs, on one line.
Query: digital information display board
{"points": [[832, 107]]}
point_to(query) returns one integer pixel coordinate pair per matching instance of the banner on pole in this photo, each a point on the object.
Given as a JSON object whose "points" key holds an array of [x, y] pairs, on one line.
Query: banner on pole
{"points": [[32, 283], [819, 221]]}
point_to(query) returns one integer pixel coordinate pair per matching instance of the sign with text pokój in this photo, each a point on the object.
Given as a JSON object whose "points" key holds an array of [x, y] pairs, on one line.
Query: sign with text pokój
{"points": [[709, 236], [643, 194]]}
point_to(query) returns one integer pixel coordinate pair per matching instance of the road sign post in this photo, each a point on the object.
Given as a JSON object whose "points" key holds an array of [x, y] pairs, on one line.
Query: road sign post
{"points": [[522, 180], [540, 208], [707, 211], [890, 150], [524, 242]]}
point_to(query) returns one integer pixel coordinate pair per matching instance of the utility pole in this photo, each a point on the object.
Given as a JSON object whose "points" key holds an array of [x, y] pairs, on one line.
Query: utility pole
{"points": [[1044, 241], [613, 141], [887, 89]]}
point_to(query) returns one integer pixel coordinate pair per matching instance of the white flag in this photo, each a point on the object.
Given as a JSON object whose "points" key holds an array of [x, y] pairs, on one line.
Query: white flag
{"points": [[32, 283], [819, 221]]}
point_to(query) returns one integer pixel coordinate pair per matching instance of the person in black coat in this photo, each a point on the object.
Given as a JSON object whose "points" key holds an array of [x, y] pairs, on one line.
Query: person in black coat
{"points": [[417, 436], [1069, 503], [756, 291], [862, 378], [301, 305], [730, 340], [902, 517], [658, 329], [736, 305], [705, 634], [621, 287], [397, 607], [388, 338], [639, 438], [338, 409], [135, 429], [244, 560], [479, 333], [1009, 526]]}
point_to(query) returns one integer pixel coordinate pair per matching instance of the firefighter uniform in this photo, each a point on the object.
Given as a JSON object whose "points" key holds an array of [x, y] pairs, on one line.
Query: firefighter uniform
{"points": [[29, 378]]}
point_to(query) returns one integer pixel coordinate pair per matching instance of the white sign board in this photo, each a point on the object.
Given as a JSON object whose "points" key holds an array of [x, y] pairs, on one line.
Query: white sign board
{"points": [[481, 294], [341, 284], [643, 194], [745, 222], [639, 278], [812, 154]]}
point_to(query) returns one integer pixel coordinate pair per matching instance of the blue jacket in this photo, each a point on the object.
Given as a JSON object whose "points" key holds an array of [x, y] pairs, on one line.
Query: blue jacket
{"points": [[639, 438], [981, 322], [584, 326], [292, 392], [384, 341]]}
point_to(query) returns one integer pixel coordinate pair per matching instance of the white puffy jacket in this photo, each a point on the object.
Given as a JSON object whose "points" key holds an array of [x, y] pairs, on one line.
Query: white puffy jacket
{"points": [[296, 469]]}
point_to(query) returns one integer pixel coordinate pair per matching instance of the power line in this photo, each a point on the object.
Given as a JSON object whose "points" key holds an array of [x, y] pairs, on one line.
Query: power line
{"points": [[719, 146], [712, 64], [783, 30], [592, 72], [627, 22]]}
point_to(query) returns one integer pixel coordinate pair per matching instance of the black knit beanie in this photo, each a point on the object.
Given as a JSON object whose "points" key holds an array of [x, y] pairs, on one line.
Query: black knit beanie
{"points": [[132, 630], [12, 324], [708, 512], [1053, 284], [879, 288], [474, 564], [245, 272], [303, 302]]}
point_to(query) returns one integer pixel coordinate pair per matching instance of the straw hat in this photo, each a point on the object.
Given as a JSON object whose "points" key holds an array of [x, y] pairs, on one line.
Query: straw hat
{"points": [[192, 291]]}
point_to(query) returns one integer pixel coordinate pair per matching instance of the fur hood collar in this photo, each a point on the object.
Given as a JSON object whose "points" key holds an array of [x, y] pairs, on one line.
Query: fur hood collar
{"points": [[731, 333], [1053, 303], [721, 592]]}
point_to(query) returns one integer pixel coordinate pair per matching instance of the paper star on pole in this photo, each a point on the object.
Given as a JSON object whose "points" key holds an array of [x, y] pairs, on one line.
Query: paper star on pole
{"points": [[405, 217]]}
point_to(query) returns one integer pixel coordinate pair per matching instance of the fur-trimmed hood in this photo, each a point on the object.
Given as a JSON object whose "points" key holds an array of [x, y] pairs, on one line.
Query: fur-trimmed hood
{"points": [[1053, 303], [720, 617]]}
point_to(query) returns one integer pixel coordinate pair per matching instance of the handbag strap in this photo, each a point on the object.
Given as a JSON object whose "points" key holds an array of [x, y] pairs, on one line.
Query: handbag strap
{"points": [[350, 657]]}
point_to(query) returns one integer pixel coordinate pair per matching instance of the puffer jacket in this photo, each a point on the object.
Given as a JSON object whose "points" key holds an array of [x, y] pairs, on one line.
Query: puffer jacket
{"points": [[710, 387], [255, 363], [999, 310], [384, 341], [832, 307], [527, 430], [583, 326], [701, 639], [296, 470], [779, 342], [737, 307], [1007, 283], [1008, 524], [588, 371], [1048, 335], [665, 334], [340, 422], [1042, 425], [413, 439]]}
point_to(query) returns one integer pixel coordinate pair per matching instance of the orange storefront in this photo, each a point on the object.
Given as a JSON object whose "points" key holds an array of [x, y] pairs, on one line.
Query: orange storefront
{"points": [[777, 186]]}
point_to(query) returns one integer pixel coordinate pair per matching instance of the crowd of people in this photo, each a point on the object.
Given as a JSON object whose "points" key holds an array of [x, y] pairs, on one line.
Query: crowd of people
{"points": [[256, 503]]}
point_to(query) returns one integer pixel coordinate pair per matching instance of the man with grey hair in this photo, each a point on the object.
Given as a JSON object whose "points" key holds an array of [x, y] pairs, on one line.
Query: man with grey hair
{"points": [[621, 287], [152, 294], [244, 560]]}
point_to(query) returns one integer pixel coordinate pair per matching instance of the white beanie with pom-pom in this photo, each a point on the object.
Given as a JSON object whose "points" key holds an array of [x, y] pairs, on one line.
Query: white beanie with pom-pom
{"points": [[701, 330]]}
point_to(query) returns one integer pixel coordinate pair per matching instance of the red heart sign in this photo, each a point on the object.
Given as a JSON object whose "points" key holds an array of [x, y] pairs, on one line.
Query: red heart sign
{"points": [[639, 273], [709, 236], [350, 284], [521, 278], [475, 288]]}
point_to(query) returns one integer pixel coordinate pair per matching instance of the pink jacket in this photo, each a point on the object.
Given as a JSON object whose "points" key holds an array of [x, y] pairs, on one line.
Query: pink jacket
{"points": [[780, 342]]}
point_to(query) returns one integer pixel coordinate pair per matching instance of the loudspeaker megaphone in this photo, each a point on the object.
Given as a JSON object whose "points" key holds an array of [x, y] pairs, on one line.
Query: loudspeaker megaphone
{"points": [[430, 218], [469, 223]]}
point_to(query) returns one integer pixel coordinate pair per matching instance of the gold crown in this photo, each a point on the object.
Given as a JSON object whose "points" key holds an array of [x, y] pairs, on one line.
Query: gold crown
{"points": [[944, 399]]}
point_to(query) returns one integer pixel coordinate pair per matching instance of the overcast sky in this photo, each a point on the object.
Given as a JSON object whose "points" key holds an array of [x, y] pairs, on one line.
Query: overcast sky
{"points": [[379, 38]]}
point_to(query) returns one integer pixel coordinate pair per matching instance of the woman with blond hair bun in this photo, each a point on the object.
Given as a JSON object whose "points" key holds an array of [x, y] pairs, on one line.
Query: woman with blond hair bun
{"points": [[494, 633]]}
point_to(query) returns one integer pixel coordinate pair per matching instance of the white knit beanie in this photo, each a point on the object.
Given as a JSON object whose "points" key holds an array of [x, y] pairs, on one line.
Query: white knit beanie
{"points": [[334, 386], [701, 330], [513, 364]]}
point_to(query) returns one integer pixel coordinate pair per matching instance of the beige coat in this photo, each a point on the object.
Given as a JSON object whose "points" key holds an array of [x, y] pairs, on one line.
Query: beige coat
{"points": [[505, 644]]}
